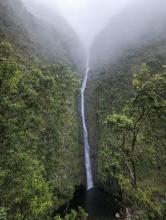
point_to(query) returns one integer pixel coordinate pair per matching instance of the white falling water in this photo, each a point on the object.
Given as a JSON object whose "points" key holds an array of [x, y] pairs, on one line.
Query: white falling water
{"points": [[88, 165]]}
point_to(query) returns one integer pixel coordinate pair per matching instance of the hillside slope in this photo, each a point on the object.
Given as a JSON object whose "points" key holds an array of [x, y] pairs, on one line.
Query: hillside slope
{"points": [[40, 149], [35, 36], [136, 26], [126, 111], [68, 40]]}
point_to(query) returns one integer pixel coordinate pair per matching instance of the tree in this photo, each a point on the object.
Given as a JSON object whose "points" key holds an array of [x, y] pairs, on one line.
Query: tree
{"points": [[137, 138], [38, 121], [23, 188]]}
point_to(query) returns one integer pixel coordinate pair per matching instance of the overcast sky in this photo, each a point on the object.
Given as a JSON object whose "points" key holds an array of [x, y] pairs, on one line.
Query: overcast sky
{"points": [[87, 17]]}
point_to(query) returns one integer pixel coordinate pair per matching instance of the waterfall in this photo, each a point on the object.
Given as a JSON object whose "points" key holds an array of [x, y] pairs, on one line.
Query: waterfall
{"points": [[88, 165]]}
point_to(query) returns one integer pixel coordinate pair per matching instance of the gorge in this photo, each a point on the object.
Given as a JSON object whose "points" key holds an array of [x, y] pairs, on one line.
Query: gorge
{"points": [[106, 160]]}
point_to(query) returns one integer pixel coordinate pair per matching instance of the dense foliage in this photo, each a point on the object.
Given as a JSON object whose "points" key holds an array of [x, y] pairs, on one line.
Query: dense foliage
{"points": [[131, 152], [40, 153], [73, 215]]}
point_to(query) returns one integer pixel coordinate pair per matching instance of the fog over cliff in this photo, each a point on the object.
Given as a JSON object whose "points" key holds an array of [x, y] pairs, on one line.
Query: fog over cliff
{"points": [[108, 27], [87, 17], [65, 40], [143, 22]]}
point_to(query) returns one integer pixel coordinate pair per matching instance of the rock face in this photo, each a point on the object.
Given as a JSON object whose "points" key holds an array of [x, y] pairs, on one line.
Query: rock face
{"points": [[117, 215]]}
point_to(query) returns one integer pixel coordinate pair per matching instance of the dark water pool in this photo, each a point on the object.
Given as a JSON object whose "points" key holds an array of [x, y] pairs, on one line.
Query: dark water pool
{"points": [[98, 204]]}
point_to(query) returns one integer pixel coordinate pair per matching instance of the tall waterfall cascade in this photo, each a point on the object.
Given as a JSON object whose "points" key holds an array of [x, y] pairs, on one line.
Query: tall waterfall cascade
{"points": [[88, 165]]}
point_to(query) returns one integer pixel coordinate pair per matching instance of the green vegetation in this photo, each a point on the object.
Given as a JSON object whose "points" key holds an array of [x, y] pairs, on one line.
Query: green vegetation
{"points": [[131, 152], [73, 215], [40, 150], [37, 36]]}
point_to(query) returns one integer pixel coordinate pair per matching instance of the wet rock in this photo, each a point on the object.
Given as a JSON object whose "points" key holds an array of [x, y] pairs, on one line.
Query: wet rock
{"points": [[117, 215]]}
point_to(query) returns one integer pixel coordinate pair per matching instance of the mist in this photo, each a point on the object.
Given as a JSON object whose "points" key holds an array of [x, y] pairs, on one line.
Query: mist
{"points": [[140, 24], [87, 18], [105, 28], [82, 109]]}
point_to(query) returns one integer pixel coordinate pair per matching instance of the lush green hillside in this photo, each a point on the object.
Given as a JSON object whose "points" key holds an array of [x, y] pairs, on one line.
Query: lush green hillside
{"points": [[35, 36], [127, 129], [40, 148], [40, 152], [126, 109]]}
